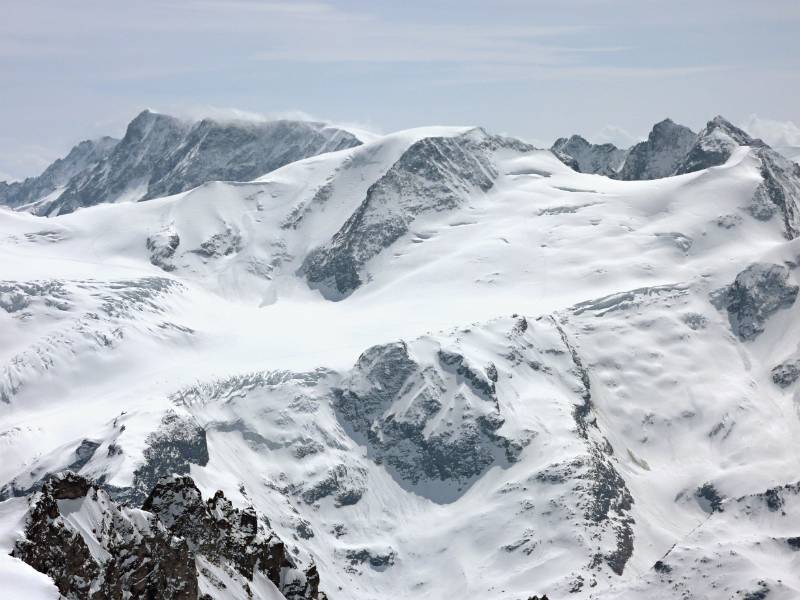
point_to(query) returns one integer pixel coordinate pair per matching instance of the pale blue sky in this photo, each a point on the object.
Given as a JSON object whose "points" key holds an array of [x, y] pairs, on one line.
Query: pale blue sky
{"points": [[534, 69]]}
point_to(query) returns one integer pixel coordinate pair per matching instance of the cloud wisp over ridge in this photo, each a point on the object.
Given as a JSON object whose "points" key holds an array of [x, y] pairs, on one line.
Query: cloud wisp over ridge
{"points": [[535, 69]]}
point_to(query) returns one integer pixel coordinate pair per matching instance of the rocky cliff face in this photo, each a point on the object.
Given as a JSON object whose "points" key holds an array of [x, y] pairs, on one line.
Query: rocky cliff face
{"points": [[85, 155], [162, 155], [779, 192], [212, 151], [399, 406], [433, 175], [756, 294], [177, 546], [601, 159], [661, 154]]}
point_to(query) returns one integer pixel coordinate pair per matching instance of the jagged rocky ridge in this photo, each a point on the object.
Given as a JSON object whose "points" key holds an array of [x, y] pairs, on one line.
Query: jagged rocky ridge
{"points": [[162, 155], [673, 149], [585, 157], [660, 155], [176, 546], [24, 194]]}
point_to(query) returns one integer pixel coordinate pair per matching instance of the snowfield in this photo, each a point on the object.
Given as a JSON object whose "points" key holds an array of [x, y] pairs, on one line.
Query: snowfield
{"points": [[441, 363]]}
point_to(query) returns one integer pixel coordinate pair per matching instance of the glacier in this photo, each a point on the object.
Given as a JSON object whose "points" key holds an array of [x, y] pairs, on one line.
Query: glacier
{"points": [[428, 364]]}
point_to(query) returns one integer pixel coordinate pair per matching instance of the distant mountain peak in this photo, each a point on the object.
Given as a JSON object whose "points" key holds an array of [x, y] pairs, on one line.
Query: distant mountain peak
{"points": [[721, 124], [23, 194], [664, 124], [660, 154], [146, 122], [160, 155], [583, 156], [714, 145]]}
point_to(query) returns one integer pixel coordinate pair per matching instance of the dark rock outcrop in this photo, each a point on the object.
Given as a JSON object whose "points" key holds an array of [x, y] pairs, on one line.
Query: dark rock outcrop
{"points": [[66, 485], [138, 559], [153, 552], [346, 484], [379, 560], [400, 408], [757, 293], [785, 374], [709, 498], [178, 443], [53, 548], [217, 530], [162, 247]]}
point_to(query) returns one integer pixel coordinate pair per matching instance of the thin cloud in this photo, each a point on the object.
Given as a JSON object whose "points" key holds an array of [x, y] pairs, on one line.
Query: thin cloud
{"points": [[26, 160], [481, 74], [227, 114], [389, 43], [612, 134], [775, 133]]}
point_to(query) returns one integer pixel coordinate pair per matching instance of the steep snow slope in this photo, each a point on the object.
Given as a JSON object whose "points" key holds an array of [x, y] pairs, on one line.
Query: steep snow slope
{"points": [[414, 438]]}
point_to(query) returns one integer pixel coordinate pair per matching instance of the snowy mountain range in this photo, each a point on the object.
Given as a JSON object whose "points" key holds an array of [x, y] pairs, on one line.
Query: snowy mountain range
{"points": [[162, 155], [282, 360]]}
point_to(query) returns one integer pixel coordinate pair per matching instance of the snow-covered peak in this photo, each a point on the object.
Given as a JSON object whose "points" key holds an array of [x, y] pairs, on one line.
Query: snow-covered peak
{"points": [[714, 145], [720, 123], [148, 123], [161, 155]]}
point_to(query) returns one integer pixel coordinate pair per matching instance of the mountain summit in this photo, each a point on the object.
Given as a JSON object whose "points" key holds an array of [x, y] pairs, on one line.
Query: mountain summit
{"points": [[659, 155], [714, 145]]}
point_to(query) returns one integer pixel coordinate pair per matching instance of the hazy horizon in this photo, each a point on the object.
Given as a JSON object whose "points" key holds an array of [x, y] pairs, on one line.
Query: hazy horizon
{"points": [[603, 68]]}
